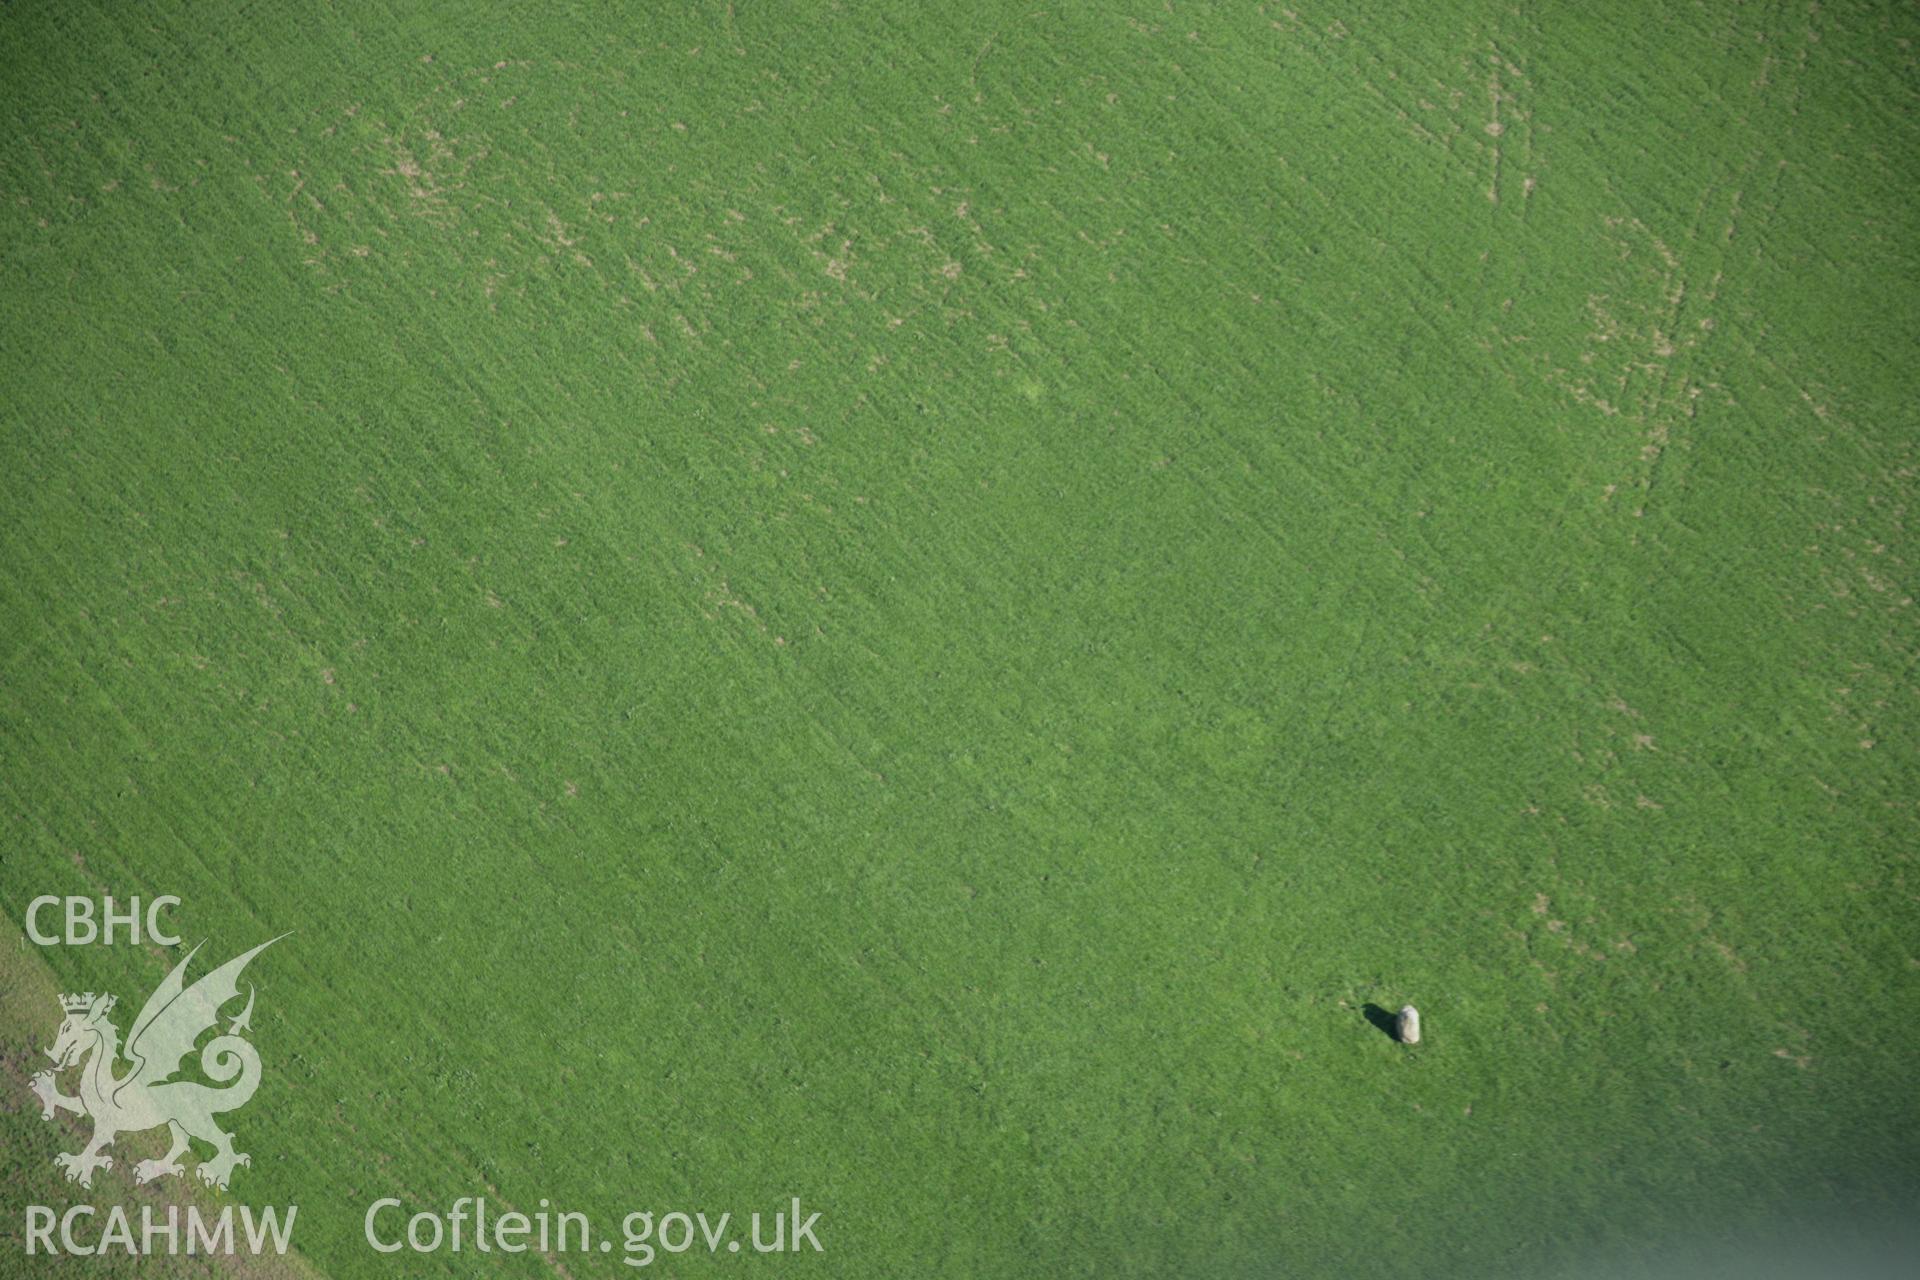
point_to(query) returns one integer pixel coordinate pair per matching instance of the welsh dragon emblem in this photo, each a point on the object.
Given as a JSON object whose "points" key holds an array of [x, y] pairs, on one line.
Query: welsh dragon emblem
{"points": [[146, 1097]]}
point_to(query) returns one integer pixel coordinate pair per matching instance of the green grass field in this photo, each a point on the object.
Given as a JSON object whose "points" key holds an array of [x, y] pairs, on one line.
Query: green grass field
{"points": [[919, 604]]}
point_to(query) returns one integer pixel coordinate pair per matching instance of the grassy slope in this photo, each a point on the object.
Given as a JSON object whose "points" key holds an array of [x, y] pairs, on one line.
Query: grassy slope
{"points": [[916, 607]]}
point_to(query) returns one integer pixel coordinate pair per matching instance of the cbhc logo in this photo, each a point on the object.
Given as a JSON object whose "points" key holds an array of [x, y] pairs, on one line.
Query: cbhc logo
{"points": [[83, 929]]}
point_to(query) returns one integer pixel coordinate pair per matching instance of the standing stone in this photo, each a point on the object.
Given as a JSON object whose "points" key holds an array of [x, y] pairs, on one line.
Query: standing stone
{"points": [[1406, 1028]]}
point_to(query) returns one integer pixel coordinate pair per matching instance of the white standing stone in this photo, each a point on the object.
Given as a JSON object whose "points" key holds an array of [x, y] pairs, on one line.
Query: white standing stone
{"points": [[1407, 1027]]}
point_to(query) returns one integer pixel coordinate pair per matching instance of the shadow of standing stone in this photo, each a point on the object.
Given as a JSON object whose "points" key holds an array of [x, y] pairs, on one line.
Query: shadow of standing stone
{"points": [[1387, 1021]]}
